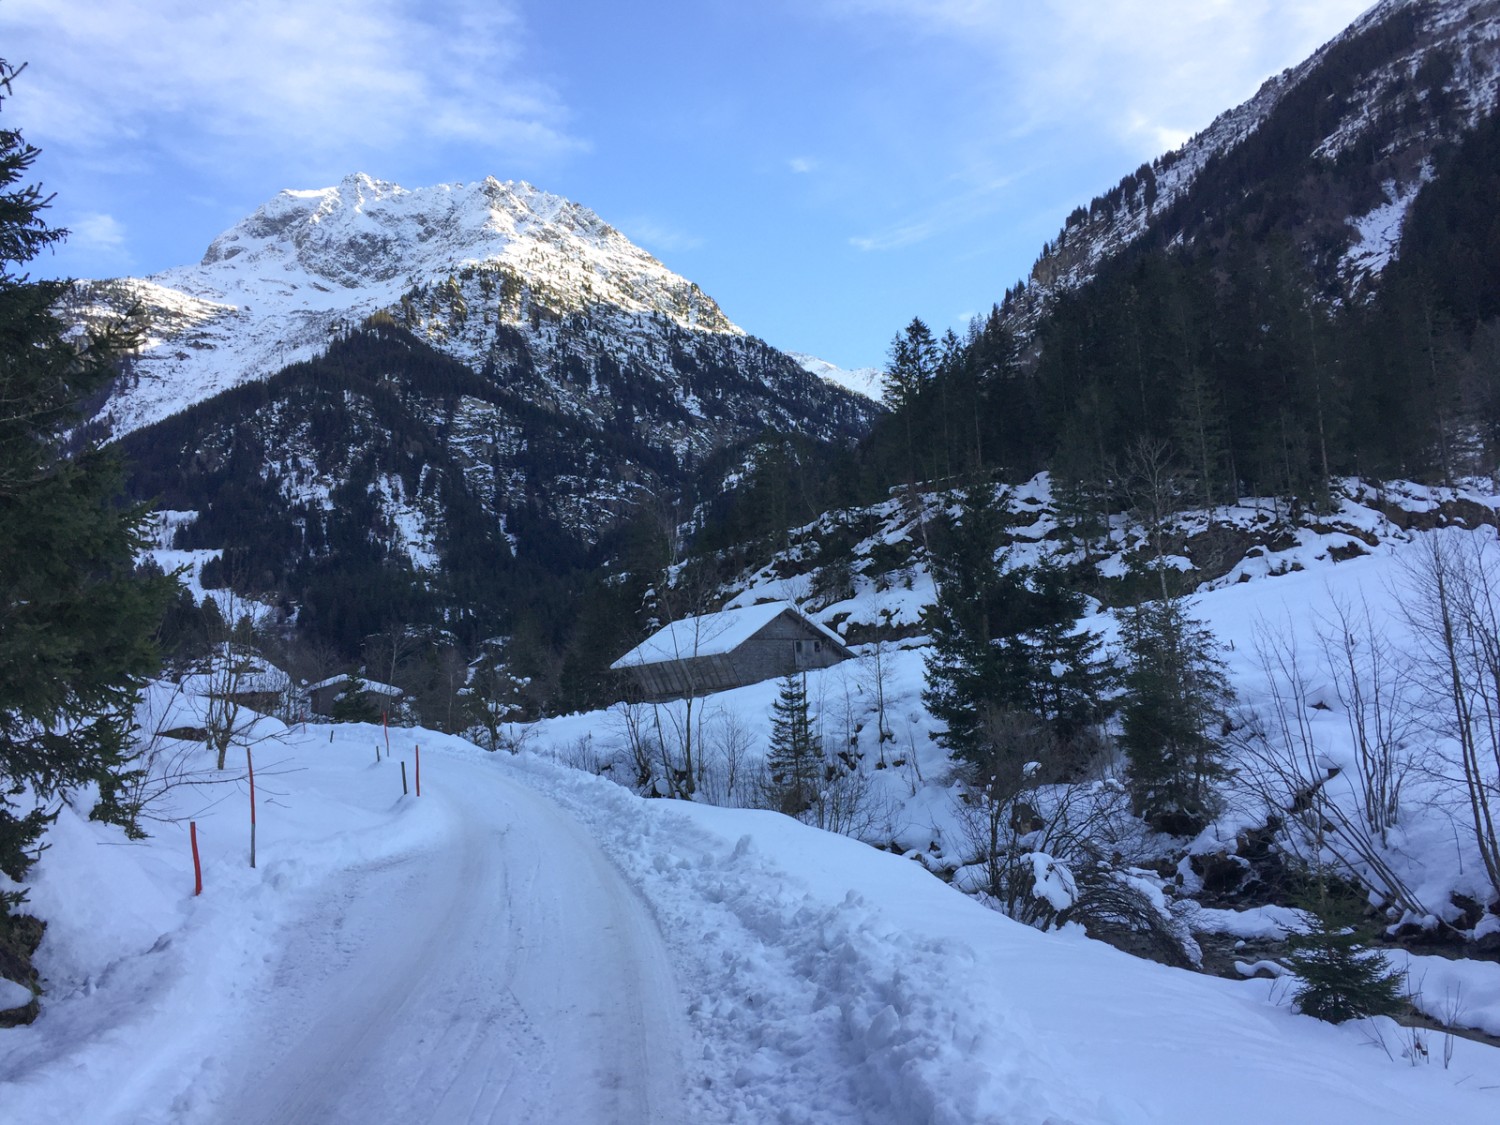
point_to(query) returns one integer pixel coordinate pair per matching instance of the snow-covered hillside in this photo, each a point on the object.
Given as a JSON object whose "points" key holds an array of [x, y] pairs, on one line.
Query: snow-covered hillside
{"points": [[525, 942]]}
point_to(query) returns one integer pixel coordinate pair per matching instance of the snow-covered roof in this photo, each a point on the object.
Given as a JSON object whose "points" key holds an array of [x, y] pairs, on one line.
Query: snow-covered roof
{"points": [[712, 634], [374, 687], [245, 675]]}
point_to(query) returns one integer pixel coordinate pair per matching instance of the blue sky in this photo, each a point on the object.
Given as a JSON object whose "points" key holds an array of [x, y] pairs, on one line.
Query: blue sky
{"points": [[826, 169]]}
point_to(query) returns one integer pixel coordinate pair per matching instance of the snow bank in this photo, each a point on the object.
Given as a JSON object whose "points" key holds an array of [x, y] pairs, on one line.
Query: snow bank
{"points": [[837, 982]]}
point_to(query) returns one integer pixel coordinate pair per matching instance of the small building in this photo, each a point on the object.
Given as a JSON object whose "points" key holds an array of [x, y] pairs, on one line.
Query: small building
{"points": [[322, 695], [729, 649], [243, 679]]}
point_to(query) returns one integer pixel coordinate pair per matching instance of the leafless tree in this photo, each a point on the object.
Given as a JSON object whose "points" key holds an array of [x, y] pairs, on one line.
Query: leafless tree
{"points": [[633, 720], [1154, 488], [388, 652], [1372, 679], [1454, 612], [230, 674], [874, 662], [850, 803], [684, 592], [725, 772], [1285, 764], [1014, 805]]}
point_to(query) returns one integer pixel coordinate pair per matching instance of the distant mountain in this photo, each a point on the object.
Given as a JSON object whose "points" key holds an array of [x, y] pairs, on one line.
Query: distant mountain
{"points": [[392, 404], [454, 264], [1330, 152], [860, 380], [533, 292]]}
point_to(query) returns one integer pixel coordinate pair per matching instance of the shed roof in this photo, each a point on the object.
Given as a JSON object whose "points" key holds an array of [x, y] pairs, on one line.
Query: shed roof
{"points": [[244, 674], [373, 687], [713, 634]]}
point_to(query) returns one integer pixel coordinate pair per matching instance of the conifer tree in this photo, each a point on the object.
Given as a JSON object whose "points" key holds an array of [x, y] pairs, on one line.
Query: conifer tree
{"points": [[795, 761], [1005, 639], [911, 365], [1340, 980], [76, 618], [1176, 691], [963, 666]]}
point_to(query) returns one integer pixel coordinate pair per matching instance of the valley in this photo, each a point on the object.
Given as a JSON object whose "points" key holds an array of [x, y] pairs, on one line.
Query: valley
{"points": [[1115, 738]]}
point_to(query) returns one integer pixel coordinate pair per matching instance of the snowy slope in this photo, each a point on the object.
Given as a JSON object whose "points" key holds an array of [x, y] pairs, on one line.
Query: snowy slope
{"points": [[860, 380], [308, 264], [471, 955]]}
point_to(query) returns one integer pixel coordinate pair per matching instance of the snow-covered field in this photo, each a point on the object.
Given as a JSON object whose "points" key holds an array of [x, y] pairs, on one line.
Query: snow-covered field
{"points": [[529, 943]]}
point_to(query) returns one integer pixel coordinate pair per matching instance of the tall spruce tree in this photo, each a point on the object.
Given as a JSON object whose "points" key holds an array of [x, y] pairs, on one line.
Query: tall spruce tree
{"points": [[76, 620], [795, 761], [1176, 692], [1005, 638]]}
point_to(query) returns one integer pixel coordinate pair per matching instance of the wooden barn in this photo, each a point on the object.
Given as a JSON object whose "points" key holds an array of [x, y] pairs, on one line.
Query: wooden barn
{"points": [[729, 649]]}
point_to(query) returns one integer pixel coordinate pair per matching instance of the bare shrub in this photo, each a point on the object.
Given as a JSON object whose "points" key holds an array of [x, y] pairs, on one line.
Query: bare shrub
{"points": [[725, 773], [1372, 680], [1285, 766]]}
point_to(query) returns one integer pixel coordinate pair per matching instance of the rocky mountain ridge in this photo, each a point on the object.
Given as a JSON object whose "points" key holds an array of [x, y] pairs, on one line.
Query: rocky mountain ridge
{"points": [[454, 263], [1384, 96]]}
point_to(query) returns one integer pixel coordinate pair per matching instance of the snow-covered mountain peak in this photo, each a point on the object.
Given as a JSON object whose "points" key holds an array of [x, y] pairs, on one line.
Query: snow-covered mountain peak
{"points": [[863, 381], [274, 287], [364, 233]]}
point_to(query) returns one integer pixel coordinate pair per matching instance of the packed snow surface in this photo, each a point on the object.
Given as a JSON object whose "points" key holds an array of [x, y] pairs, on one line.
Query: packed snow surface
{"points": [[529, 943]]}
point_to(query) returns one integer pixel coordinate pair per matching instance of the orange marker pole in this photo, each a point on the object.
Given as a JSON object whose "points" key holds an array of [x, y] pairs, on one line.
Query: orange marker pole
{"points": [[197, 864], [251, 764]]}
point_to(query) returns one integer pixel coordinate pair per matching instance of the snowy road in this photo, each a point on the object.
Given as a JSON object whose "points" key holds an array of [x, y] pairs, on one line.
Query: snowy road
{"points": [[506, 975]]}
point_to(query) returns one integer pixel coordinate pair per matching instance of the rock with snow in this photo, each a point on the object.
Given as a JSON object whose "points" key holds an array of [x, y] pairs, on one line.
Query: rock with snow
{"points": [[13, 995]]}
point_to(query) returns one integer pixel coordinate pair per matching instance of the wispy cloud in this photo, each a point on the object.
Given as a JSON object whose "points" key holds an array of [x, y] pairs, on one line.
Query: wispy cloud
{"points": [[802, 165], [1149, 72], [658, 236], [97, 233], [894, 237], [254, 80], [957, 210]]}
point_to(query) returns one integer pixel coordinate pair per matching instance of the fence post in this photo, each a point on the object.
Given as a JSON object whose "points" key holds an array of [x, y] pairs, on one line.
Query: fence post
{"points": [[419, 771], [403, 778]]}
